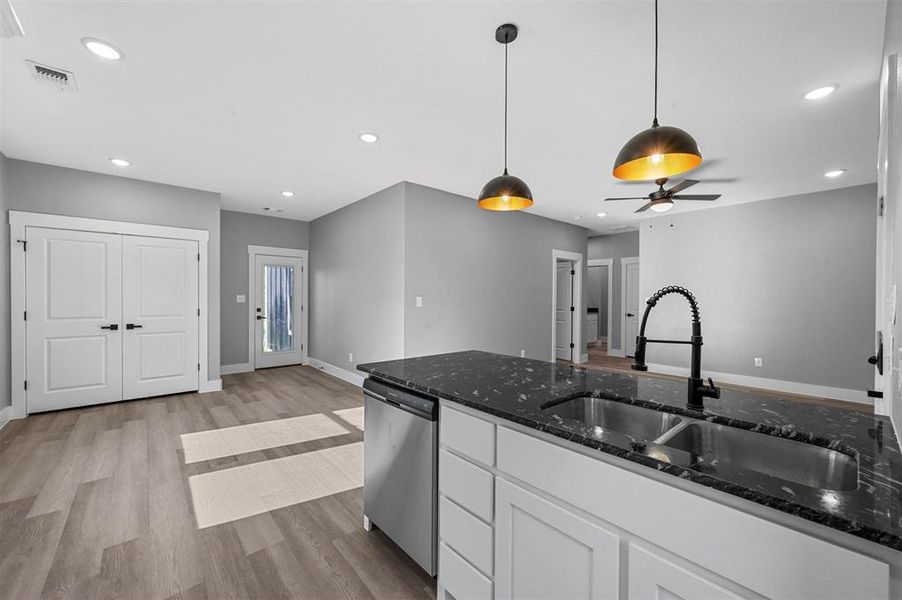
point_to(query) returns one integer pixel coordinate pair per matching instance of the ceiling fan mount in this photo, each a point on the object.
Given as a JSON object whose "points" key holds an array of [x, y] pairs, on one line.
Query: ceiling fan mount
{"points": [[661, 200]]}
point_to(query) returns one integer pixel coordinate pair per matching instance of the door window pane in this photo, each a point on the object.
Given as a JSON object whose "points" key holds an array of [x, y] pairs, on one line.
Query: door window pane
{"points": [[278, 327]]}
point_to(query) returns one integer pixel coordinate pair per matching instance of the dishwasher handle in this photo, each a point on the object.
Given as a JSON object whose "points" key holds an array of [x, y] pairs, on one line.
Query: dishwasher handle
{"points": [[425, 408]]}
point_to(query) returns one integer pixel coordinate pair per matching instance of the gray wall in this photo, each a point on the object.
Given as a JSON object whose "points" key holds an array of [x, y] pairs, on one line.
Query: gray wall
{"points": [[790, 280], [43, 188], [238, 231], [615, 246], [357, 281], [485, 277], [5, 399]]}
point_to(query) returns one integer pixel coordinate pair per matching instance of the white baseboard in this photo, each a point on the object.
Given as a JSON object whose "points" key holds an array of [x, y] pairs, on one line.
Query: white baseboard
{"points": [[774, 385], [583, 358], [6, 415], [239, 368], [349, 376], [214, 385], [616, 352]]}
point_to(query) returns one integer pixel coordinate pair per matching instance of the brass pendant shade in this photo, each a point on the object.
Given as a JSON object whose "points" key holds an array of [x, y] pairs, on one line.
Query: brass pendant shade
{"points": [[505, 192], [656, 153]]}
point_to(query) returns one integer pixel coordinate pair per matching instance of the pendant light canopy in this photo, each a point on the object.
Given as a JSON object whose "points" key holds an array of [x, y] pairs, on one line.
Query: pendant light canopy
{"points": [[658, 151], [505, 192]]}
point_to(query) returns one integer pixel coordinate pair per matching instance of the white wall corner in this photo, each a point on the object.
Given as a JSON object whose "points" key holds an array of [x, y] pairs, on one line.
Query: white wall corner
{"points": [[214, 385], [349, 376]]}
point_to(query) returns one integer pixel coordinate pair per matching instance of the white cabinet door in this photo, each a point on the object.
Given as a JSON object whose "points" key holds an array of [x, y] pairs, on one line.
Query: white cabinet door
{"points": [[654, 578], [160, 305], [73, 293], [278, 337], [544, 551]]}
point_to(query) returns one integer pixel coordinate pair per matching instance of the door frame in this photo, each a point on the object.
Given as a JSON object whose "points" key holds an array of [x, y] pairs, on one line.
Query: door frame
{"points": [[626, 260], [578, 262], [252, 253], [20, 220], [609, 263]]}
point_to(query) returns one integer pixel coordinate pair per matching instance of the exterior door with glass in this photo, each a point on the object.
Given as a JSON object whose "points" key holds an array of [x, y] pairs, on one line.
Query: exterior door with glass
{"points": [[277, 318]]}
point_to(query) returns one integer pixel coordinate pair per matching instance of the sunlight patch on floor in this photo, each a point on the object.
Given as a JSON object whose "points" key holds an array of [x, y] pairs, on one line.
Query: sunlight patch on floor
{"points": [[240, 492], [353, 416], [232, 441]]}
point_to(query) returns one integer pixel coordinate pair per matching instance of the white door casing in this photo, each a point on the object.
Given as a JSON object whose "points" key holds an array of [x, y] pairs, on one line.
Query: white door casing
{"points": [[73, 292], [160, 316], [278, 326], [629, 270], [563, 316]]}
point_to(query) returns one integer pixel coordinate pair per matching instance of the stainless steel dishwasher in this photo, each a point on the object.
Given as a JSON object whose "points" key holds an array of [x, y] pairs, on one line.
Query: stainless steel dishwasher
{"points": [[400, 475]]}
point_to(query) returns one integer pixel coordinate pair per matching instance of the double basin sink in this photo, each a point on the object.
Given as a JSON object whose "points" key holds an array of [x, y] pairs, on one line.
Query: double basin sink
{"points": [[714, 448]]}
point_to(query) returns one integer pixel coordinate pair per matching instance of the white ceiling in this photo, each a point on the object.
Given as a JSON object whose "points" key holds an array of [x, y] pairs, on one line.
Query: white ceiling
{"points": [[249, 98]]}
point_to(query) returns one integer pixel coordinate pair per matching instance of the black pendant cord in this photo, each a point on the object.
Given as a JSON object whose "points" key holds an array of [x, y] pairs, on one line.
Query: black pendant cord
{"points": [[655, 121], [505, 108]]}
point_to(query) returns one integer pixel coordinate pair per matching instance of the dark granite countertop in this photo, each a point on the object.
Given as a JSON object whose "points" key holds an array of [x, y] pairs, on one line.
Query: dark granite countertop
{"points": [[515, 389]]}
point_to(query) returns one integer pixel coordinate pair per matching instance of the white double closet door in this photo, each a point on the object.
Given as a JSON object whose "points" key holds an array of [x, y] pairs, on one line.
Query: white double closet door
{"points": [[109, 317]]}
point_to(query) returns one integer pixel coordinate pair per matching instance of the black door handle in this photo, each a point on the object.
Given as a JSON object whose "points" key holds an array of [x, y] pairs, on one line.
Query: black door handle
{"points": [[113, 327], [630, 315], [260, 317], [133, 326]]}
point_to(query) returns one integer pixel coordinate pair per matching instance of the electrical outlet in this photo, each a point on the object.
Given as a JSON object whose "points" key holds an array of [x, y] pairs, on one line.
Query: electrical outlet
{"points": [[419, 301], [759, 362], [350, 357], [522, 353]]}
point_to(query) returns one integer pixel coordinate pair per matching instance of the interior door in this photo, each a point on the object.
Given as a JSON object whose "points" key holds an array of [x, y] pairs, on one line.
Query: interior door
{"points": [[160, 316], [277, 311], [73, 319], [631, 306], [563, 315]]}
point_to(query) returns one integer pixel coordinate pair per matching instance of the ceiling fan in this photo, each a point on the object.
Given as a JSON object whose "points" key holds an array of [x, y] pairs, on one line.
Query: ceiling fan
{"points": [[661, 200]]}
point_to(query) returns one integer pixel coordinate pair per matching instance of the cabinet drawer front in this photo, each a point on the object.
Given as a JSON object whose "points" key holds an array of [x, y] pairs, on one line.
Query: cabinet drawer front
{"points": [[467, 435], [744, 548], [465, 483], [459, 577], [467, 535]]}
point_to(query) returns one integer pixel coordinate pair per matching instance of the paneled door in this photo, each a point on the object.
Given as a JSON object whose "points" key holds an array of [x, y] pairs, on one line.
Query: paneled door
{"points": [[631, 308], [277, 311], [160, 316], [563, 313], [543, 551], [73, 321]]}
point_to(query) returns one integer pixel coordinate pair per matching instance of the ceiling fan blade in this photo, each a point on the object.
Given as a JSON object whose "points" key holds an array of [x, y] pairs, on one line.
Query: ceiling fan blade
{"points": [[630, 198], [682, 186], [698, 197], [644, 208]]}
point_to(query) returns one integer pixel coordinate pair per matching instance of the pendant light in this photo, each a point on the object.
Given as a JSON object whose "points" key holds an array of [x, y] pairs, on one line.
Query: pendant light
{"points": [[505, 192], [658, 151]]}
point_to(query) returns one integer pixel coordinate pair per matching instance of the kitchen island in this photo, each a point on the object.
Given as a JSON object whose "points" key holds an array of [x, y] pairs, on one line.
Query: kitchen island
{"points": [[533, 494]]}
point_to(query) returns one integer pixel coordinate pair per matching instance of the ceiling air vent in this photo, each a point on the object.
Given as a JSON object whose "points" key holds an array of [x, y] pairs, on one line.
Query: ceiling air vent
{"points": [[622, 228], [60, 79]]}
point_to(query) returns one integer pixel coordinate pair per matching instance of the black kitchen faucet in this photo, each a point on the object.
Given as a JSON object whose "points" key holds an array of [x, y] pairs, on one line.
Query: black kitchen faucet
{"points": [[697, 389]]}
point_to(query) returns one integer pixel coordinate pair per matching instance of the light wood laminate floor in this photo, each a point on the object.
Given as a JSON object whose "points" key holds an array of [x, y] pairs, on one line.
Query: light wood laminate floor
{"points": [[97, 502]]}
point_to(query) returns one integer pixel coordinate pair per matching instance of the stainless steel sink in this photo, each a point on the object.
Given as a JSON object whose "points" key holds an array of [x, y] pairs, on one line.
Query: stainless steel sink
{"points": [[814, 466], [634, 421]]}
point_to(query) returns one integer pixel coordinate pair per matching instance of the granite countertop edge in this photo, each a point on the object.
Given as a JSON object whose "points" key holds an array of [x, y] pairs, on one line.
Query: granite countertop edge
{"points": [[836, 522]]}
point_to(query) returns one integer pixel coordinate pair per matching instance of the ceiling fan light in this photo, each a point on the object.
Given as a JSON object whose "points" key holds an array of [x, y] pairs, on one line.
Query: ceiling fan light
{"points": [[657, 152], [505, 193], [662, 206]]}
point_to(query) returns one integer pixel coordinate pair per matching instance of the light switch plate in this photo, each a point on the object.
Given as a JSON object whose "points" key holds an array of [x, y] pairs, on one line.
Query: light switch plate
{"points": [[240, 298], [759, 362], [419, 302]]}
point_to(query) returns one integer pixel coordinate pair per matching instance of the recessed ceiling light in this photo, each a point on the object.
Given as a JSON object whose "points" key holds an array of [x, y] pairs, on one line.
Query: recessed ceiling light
{"points": [[102, 49], [821, 92], [288, 193], [270, 209], [602, 214], [120, 162], [368, 137], [836, 173]]}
